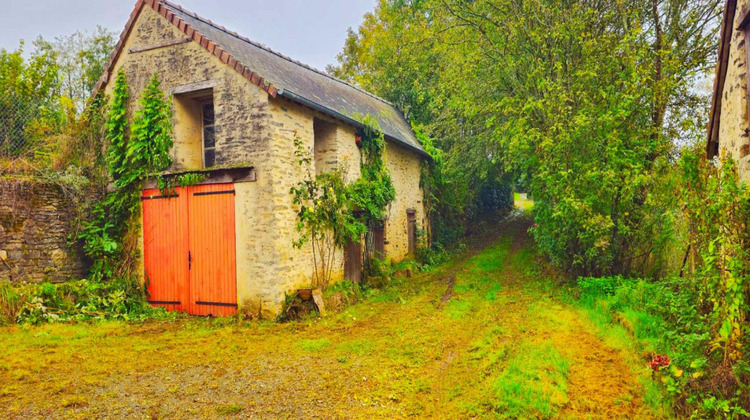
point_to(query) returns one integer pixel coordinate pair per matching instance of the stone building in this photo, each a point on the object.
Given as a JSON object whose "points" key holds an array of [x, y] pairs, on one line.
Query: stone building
{"points": [[226, 243], [729, 118]]}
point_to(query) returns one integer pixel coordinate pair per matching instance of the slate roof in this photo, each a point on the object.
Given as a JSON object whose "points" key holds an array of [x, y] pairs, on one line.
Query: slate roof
{"points": [[284, 77]]}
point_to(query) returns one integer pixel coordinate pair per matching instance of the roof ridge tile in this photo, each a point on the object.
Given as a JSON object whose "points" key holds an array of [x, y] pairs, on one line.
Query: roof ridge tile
{"points": [[400, 130], [169, 3]]}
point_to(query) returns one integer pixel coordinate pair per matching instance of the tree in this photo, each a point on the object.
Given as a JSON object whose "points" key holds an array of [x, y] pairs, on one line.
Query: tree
{"points": [[580, 101], [81, 58], [29, 106]]}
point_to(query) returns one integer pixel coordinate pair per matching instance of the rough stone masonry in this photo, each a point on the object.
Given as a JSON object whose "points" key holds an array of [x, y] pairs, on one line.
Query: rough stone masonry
{"points": [[36, 219]]}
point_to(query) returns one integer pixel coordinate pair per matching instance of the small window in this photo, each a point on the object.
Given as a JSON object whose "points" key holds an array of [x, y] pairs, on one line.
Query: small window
{"points": [[209, 135], [411, 229]]}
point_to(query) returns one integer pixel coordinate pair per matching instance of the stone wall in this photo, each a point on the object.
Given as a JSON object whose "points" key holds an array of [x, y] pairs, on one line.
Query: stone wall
{"points": [[243, 135], [35, 222], [404, 167], [734, 126], [241, 109]]}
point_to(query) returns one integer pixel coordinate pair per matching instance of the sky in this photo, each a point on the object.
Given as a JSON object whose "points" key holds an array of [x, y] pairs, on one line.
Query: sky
{"points": [[310, 31]]}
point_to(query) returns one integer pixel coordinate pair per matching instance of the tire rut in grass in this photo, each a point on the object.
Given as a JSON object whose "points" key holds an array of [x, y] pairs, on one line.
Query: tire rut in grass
{"points": [[511, 225]]}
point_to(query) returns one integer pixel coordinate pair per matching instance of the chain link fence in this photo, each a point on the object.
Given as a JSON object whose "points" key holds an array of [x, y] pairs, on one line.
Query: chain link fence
{"points": [[23, 120]]}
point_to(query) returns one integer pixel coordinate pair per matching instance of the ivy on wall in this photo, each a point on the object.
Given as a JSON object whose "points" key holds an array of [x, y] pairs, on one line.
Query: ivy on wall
{"points": [[717, 208], [373, 191], [136, 150], [333, 213]]}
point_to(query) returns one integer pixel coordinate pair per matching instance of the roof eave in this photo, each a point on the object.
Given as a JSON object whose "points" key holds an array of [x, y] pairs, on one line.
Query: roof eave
{"points": [[162, 8], [714, 116], [349, 120]]}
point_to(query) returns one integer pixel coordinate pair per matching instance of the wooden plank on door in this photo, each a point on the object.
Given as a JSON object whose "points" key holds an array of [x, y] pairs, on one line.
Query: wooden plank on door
{"points": [[213, 279], [353, 262], [378, 241], [411, 221], [165, 248]]}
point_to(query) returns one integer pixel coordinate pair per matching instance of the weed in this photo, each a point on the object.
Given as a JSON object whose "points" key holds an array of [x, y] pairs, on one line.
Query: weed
{"points": [[11, 304], [315, 345], [226, 410], [534, 383]]}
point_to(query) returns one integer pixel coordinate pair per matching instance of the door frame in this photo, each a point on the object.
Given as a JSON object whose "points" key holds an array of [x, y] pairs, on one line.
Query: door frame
{"points": [[185, 285]]}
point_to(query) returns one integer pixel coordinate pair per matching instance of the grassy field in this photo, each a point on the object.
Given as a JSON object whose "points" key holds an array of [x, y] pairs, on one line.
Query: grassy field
{"points": [[522, 203], [476, 337]]}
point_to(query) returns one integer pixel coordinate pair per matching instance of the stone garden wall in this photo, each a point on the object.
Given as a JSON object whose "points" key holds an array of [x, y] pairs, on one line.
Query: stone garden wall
{"points": [[36, 219]]}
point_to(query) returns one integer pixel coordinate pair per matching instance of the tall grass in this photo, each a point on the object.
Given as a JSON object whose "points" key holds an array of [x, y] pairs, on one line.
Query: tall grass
{"points": [[11, 304], [668, 317]]}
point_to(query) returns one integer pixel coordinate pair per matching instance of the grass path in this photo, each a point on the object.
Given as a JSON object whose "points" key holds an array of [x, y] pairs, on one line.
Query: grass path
{"points": [[474, 338]]}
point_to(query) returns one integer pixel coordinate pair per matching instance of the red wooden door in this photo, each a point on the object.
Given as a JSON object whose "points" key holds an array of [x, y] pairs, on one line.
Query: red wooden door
{"points": [[165, 246], [189, 249], [213, 281]]}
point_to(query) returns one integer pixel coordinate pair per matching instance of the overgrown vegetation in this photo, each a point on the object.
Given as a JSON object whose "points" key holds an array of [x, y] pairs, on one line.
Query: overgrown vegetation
{"points": [[597, 111], [79, 300], [573, 108], [46, 123], [664, 319], [333, 212], [136, 150]]}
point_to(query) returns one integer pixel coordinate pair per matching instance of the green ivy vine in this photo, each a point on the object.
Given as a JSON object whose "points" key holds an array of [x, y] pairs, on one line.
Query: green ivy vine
{"points": [[136, 151], [331, 212], [373, 191]]}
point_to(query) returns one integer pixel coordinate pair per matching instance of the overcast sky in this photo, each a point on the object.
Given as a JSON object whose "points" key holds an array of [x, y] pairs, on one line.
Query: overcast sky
{"points": [[311, 31]]}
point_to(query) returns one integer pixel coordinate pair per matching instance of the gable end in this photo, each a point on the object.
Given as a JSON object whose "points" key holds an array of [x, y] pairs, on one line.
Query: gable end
{"points": [[191, 35]]}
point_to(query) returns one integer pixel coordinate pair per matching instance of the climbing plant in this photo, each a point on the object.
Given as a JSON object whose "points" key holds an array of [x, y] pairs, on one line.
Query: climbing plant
{"points": [[373, 191], [717, 208], [136, 150], [325, 219], [331, 212]]}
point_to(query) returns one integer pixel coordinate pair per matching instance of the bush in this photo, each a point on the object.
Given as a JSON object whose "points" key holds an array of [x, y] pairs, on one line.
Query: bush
{"points": [[122, 298], [435, 255], [11, 304], [666, 317]]}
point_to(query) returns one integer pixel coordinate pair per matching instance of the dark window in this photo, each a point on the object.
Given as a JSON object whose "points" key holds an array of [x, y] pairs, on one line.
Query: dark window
{"points": [[209, 136]]}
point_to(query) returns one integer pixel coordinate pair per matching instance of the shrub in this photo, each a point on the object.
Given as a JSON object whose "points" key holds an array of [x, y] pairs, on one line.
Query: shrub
{"points": [[76, 301], [11, 304]]}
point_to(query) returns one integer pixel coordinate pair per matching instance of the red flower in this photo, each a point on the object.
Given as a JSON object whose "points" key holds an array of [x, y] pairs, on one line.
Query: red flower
{"points": [[659, 361]]}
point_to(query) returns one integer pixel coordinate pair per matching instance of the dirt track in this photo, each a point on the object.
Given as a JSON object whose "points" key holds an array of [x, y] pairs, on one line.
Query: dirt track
{"points": [[493, 344]]}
